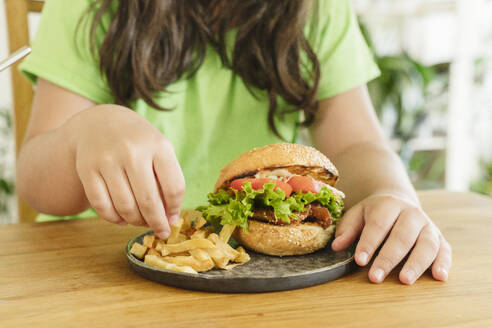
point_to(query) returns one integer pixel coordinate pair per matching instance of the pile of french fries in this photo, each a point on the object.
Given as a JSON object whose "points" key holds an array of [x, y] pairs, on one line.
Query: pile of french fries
{"points": [[191, 247]]}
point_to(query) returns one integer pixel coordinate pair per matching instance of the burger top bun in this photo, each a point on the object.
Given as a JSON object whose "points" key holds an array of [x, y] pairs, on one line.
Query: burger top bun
{"points": [[304, 159]]}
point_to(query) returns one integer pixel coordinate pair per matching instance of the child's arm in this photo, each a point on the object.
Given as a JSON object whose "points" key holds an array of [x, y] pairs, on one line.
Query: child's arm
{"points": [[77, 155], [380, 196]]}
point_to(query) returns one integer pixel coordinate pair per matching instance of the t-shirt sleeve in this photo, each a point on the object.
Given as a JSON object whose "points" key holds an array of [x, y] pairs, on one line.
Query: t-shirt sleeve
{"points": [[61, 53], [345, 59]]}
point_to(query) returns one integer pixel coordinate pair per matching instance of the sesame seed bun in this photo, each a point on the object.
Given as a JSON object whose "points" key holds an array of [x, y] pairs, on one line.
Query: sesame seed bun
{"points": [[306, 160], [284, 240]]}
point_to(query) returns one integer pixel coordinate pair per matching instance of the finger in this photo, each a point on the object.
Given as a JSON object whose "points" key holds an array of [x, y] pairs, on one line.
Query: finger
{"points": [[171, 181], [422, 256], [348, 229], [122, 195], [98, 196], [443, 261], [149, 202], [378, 222], [402, 238]]}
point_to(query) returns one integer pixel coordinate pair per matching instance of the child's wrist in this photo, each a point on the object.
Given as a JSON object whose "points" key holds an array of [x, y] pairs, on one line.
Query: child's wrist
{"points": [[399, 194]]}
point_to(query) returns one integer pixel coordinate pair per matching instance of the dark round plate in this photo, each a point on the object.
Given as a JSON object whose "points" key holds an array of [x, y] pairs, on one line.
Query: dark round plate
{"points": [[262, 273]]}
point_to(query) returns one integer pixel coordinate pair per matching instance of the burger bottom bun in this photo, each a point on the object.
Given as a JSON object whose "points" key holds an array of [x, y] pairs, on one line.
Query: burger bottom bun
{"points": [[284, 240]]}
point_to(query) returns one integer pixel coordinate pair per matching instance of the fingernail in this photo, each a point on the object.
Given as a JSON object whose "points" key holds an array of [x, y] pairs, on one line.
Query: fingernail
{"points": [[173, 219], [337, 240], [378, 275], [362, 258], [444, 272], [162, 234], [410, 275]]}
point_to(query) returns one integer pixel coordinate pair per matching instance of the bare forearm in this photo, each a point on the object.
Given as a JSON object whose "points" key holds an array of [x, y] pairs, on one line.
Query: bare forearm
{"points": [[372, 168], [47, 177]]}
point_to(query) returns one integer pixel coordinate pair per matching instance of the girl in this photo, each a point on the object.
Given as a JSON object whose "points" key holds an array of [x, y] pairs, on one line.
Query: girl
{"points": [[134, 96]]}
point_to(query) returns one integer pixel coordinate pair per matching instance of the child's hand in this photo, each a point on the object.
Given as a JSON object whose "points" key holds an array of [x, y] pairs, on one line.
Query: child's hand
{"points": [[128, 169], [408, 227]]}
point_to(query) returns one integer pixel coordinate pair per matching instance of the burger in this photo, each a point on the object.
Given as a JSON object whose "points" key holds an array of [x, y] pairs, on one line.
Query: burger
{"points": [[280, 197]]}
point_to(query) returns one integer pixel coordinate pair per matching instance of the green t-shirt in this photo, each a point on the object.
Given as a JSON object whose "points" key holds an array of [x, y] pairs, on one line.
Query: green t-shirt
{"points": [[215, 117]]}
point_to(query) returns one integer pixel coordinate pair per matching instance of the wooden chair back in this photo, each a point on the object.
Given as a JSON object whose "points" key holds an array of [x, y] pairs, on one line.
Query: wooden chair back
{"points": [[18, 30]]}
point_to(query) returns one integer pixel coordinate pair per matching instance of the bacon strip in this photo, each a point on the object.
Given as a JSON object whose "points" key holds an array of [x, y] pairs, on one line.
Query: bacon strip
{"points": [[322, 215]]}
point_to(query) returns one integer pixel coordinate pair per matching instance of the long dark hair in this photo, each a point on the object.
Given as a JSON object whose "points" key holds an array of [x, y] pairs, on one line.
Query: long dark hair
{"points": [[150, 44]]}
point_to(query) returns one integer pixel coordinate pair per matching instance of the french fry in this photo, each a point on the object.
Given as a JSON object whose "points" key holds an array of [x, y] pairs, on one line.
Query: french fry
{"points": [[219, 254], [231, 266], [159, 262], [226, 232], [243, 257], [199, 234], [153, 251], [220, 259], [180, 254], [230, 252], [190, 261], [158, 244], [191, 247], [187, 219], [138, 250], [193, 219], [186, 246], [175, 229], [200, 254], [181, 237], [148, 241], [213, 237], [199, 223]]}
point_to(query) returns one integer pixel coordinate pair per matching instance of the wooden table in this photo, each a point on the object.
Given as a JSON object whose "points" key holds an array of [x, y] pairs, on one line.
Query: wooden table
{"points": [[75, 273]]}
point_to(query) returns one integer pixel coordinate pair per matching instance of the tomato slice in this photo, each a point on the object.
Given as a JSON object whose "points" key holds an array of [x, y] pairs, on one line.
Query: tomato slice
{"points": [[238, 183], [258, 184], [304, 184]]}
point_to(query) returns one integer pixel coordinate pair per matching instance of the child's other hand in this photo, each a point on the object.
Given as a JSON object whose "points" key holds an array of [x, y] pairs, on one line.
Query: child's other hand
{"points": [[408, 227], [128, 168]]}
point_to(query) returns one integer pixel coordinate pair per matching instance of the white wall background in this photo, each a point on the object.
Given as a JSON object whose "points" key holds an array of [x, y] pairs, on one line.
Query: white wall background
{"points": [[445, 31]]}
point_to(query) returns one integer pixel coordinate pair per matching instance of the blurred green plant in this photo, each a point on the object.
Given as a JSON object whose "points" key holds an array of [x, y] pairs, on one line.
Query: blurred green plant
{"points": [[483, 185], [6, 183], [427, 169], [403, 89], [408, 91]]}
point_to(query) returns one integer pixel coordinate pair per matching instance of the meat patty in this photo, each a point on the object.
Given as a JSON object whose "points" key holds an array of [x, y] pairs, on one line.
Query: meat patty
{"points": [[316, 212], [267, 215]]}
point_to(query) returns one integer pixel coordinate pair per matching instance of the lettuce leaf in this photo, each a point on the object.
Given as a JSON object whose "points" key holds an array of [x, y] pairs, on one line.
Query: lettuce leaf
{"points": [[235, 207]]}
